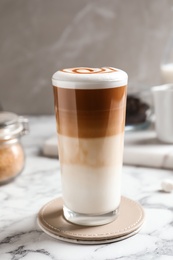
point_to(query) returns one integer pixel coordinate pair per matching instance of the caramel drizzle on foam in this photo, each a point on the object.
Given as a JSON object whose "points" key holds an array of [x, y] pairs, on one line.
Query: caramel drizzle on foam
{"points": [[84, 70]]}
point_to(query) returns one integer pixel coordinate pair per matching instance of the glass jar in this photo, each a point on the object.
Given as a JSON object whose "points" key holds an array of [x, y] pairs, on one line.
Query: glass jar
{"points": [[12, 157]]}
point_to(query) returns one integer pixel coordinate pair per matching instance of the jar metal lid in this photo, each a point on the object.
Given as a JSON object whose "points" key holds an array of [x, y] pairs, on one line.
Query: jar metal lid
{"points": [[12, 125]]}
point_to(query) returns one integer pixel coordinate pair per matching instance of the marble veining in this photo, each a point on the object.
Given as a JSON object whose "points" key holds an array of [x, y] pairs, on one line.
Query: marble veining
{"points": [[21, 238]]}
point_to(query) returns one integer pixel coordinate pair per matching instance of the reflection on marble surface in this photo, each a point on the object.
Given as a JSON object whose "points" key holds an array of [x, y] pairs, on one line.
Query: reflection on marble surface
{"points": [[21, 238]]}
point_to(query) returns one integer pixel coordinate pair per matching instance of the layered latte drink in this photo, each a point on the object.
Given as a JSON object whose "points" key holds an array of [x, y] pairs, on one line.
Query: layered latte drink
{"points": [[90, 106]]}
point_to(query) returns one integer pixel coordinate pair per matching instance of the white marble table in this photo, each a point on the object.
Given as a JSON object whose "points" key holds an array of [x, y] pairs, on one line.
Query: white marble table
{"points": [[21, 238]]}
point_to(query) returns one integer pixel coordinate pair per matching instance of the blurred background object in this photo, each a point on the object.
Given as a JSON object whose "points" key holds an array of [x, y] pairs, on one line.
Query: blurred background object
{"points": [[136, 112], [166, 65], [12, 156], [39, 36]]}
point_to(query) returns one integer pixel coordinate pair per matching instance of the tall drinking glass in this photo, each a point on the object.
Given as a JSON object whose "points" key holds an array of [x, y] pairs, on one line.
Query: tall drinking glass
{"points": [[90, 105]]}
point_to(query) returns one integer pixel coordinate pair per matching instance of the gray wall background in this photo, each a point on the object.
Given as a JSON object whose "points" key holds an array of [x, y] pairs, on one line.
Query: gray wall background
{"points": [[38, 37]]}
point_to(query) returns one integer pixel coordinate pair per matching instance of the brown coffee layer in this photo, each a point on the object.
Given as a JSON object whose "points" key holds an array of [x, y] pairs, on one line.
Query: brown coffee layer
{"points": [[89, 113]]}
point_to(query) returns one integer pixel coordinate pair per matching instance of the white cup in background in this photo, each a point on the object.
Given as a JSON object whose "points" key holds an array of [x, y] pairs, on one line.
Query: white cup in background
{"points": [[163, 106]]}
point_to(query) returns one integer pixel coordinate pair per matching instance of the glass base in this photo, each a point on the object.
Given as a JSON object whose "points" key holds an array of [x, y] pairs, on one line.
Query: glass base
{"points": [[89, 220]]}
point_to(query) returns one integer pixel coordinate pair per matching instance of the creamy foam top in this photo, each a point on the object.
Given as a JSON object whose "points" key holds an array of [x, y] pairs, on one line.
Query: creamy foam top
{"points": [[89, 78]]}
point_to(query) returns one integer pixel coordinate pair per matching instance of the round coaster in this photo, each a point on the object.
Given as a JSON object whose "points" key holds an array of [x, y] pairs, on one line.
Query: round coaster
{"points": [[128, 223]]}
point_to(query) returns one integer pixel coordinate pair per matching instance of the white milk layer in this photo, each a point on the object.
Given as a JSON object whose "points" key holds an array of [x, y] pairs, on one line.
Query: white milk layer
{"points": [[89, 190], [89, 78], [91, 173]]}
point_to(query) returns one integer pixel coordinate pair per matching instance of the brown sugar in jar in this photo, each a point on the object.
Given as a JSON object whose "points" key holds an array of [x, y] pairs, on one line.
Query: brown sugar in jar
{"points": [[12, 157]]}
